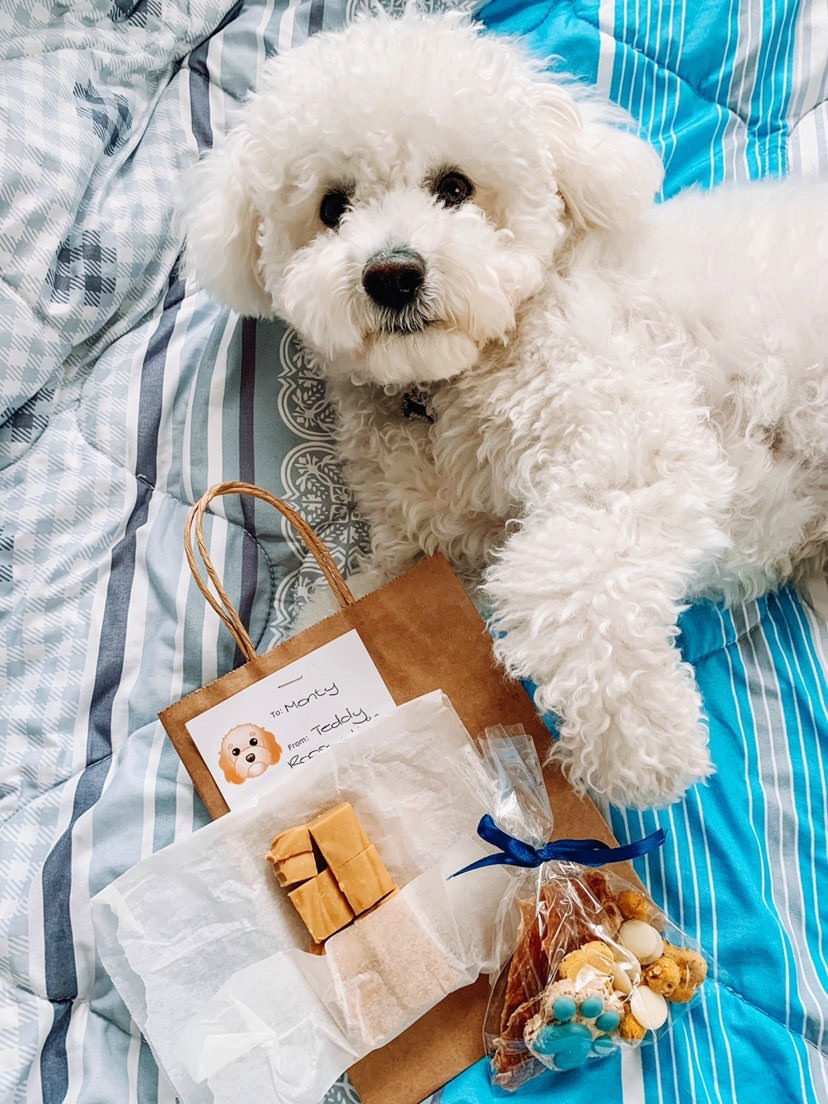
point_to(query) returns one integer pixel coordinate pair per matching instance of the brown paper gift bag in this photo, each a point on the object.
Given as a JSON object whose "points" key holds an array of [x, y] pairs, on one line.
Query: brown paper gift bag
{"points": [[423, 634]]}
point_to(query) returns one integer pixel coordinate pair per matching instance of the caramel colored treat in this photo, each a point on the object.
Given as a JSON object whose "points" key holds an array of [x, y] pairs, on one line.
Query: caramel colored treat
{"points": [[294, 841], [353, 878], [294, 869], [663, 976], [634, 906], [322, 905], [544, 936], [692, 969], [630, 1029], [364, 879], [691, 962], [339, 835], [521, 1000], [528, 969], [595, 957], [291, 855]]}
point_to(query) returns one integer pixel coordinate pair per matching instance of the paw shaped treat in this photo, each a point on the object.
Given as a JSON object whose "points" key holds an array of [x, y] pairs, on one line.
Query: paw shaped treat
{"points": [[575, 1023]]}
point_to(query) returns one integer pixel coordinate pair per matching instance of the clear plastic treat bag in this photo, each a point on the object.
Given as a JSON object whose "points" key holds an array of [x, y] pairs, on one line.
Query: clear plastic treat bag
{"points": [[590, 963]]}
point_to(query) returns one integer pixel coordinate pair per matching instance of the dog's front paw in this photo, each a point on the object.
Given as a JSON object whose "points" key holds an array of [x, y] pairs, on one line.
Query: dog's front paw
{"points": [[644, 749]]}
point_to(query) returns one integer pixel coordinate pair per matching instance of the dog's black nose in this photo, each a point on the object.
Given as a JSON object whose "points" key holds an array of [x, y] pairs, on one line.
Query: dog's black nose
{"points": [[250, 757], [394, 277]]}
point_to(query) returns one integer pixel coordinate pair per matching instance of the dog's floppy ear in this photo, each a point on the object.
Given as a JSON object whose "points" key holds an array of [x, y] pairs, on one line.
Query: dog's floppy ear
{"points": [[228, 766], [606, 174], [269, 741], [221, 223]]}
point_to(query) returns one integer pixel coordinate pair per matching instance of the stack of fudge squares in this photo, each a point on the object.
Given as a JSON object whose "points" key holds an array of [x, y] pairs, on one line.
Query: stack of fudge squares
{"points": [[332, 871]]}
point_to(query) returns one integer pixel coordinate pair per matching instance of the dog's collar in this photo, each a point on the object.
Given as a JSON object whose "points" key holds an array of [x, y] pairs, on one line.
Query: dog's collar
{"points": [[417, 406]]}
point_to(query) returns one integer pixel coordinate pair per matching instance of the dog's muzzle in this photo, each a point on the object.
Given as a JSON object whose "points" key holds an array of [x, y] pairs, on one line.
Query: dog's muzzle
{"points": [[393, 278]]}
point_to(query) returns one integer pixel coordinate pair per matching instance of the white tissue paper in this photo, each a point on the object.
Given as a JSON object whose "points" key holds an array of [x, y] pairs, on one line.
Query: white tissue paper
{"points": [[209, 954]]}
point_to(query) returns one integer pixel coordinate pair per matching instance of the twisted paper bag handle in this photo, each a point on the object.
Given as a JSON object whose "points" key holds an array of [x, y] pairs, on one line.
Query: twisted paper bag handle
{"points": [[220, 601]]}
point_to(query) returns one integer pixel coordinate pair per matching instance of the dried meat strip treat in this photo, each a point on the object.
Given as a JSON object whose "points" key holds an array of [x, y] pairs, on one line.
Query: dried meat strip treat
{"points": [[599, 907], [544, 936], [528, 964]]}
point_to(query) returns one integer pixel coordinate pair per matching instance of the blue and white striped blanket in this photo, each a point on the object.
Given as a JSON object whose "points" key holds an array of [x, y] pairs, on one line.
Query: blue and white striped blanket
{"points": [[125, 395]]}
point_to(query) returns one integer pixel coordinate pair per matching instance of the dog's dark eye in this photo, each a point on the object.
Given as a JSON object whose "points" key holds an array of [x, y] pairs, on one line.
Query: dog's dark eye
{"points": [[333, 206], [253, 741], [452, 189], [237, 751]]}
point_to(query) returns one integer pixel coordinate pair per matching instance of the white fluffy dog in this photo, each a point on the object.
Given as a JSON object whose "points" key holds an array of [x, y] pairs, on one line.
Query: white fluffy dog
{"points": [[604, 405]]}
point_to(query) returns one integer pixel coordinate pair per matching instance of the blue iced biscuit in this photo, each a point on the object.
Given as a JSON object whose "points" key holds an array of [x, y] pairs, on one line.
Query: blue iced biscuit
{"points": [[603, 1045], [568, 1043], [571, 1059], [564, 1009], [591, 1007], [608, 1021], [577, 1031]]}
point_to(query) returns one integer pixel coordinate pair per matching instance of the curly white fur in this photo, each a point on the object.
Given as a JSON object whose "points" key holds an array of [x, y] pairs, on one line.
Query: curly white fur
{"points": [[631, 399]]}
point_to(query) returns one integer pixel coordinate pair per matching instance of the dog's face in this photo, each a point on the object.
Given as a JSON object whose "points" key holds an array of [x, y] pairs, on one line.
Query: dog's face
{"points": [[246, 752], [396, 190]]}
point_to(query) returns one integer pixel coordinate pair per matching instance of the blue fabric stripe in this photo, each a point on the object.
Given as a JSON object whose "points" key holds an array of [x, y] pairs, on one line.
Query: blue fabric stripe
{"points": [[675, 105], [54, 1069], [771, 99], [60, 973], [247, 471], [200, 83], [801, 692]]}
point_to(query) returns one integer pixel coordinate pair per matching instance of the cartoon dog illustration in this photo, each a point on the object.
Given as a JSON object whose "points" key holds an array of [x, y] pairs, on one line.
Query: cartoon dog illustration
{"points": [[247, 751]]}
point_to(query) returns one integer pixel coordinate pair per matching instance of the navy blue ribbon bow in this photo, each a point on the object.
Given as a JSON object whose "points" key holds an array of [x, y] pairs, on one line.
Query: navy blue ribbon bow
{"points": [[587, 852]]}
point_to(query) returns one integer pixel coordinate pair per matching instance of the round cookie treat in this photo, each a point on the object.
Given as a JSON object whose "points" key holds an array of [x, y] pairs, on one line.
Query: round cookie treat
{"points": [[692, 972], [630, 1030], [663, 976], [626, 972], [634, 905], [595, 957], [642, 939], [649, 1008]]}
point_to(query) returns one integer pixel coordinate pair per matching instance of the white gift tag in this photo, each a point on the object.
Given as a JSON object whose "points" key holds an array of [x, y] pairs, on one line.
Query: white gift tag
{"points": [[266, 732]]}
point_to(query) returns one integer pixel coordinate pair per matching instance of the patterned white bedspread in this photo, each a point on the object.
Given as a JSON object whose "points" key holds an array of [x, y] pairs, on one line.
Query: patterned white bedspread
{"points": [[124, 395]]}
